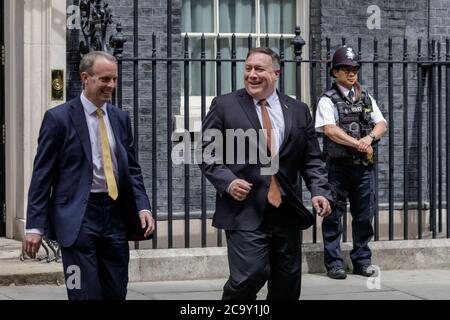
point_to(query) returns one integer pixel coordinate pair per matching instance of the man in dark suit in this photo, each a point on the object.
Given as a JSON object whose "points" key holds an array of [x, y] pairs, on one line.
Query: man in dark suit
{"points": [[87, 190], [259, 211]]}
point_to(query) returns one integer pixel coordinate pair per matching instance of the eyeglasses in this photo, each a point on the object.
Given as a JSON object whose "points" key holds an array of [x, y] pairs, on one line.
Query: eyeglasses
{"points": [[347, 70]]}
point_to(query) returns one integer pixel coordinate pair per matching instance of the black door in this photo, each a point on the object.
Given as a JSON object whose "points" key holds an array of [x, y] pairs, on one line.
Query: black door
{"points": [[2, 123]]}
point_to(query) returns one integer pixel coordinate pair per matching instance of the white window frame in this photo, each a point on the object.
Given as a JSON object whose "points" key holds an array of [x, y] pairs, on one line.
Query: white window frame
{"points": [[302, 20]]}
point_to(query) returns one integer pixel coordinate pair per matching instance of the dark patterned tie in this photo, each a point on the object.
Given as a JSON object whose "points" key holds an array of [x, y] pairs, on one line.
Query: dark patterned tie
{"points": [[351, 95]]}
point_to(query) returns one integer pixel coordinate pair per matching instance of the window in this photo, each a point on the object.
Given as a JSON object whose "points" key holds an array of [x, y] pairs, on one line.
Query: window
{"points": [[259, 18]]}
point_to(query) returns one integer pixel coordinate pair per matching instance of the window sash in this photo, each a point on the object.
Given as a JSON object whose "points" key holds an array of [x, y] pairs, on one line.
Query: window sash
{"points": [[302, 19]]}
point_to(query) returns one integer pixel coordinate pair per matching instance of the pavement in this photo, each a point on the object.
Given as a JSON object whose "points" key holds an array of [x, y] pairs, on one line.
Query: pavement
{"points": [[430, 284], [33, 280]]}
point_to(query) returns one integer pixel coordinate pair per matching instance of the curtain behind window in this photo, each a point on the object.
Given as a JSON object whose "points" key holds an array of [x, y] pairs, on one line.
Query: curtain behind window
{"points": [[277, 16], [198, 16]]}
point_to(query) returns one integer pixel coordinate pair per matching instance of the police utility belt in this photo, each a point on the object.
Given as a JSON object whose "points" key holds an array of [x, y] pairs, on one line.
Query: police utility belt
{"points": [[354, 119]]}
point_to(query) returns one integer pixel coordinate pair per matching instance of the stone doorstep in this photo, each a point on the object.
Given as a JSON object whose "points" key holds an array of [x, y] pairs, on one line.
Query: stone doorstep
{"points": [[209, 263], [10, 249], [30, 272]]}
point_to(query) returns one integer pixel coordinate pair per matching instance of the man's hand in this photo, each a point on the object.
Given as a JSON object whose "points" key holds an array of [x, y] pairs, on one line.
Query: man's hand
{"points": [[364, 144], [147, 221], [239, 189], [31, 244], [321, 205], [369, 152]]}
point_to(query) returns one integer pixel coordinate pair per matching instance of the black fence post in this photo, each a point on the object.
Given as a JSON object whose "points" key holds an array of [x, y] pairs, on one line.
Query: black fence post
{"points": [[419, 138], [391, 139], [360, 73], [203, 112], [169, 126], [233, 62], [187, 177], [432, 126], [328, 64], [405, 140], [375, 93], [154, 144], [298, 42], [439, 130], [312, 74], [136, 84], [218, 93]]}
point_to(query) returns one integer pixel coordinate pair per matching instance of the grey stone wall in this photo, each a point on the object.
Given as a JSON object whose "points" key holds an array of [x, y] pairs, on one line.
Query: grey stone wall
{"points": [[399, 19]]}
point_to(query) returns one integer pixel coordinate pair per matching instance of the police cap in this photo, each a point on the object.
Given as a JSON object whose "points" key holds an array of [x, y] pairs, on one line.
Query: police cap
{"points": [[344, 56]]}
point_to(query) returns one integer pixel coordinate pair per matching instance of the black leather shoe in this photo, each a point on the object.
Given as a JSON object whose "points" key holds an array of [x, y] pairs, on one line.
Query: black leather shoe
{"points": [[365, 271], [336, 273]]}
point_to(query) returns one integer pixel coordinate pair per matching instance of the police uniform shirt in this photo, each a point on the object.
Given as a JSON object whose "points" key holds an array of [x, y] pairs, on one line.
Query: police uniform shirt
{"points": [[327, 112]]}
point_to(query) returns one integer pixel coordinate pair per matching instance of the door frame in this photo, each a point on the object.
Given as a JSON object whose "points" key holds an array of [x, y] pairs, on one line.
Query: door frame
{"points": [[2, 124]]}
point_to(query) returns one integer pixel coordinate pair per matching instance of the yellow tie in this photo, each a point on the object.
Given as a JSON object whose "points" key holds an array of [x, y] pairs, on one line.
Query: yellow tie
{"points": [[106, 157], [274, 195]]}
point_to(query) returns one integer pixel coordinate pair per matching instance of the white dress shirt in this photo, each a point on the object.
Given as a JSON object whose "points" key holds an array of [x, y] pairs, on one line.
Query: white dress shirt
{"points": [[92, 120], [276, 118], [327, 112]]}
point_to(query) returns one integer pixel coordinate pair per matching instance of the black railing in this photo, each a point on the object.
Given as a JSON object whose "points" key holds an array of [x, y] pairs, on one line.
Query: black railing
{"points": [[412, 182]]}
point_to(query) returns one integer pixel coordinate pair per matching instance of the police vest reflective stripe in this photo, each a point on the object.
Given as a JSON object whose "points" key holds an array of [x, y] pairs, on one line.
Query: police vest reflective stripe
{"points": [[354, 118]]}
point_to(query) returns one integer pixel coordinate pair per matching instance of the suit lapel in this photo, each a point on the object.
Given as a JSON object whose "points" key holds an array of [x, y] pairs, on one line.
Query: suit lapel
{"points": [[79, 122], [247, 105], [114, 123], [287, 114], [115, 126]]}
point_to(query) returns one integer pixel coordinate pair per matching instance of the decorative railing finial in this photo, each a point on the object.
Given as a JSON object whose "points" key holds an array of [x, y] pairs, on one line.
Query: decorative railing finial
{"points": [[298, 42], [117, 41]]}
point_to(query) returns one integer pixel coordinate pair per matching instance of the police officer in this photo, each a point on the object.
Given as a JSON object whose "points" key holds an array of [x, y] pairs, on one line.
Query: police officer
{"points": [[352, 123]]}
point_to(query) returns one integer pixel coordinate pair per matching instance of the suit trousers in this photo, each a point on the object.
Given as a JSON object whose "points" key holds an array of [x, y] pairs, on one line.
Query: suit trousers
{"points": [[270, 253], [357, 183], [96, 265]]}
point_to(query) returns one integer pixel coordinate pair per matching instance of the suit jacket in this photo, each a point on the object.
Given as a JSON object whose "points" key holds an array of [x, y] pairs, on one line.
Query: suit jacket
{"points": [[63, 173], [299, 152]]}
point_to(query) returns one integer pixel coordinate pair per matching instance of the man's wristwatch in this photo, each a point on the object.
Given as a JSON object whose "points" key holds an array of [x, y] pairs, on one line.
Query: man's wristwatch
{"points": [[372, 135]]}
